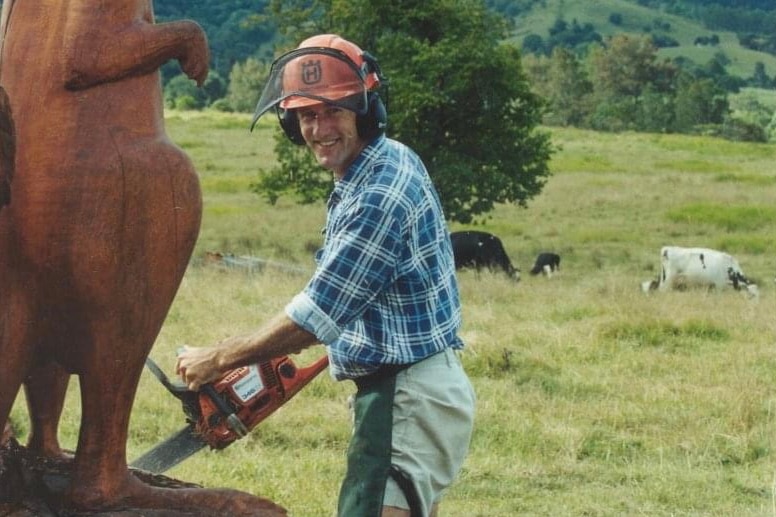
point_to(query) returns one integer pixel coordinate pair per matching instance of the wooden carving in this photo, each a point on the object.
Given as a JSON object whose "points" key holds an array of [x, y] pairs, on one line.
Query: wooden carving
{"points": [[99, 213]]}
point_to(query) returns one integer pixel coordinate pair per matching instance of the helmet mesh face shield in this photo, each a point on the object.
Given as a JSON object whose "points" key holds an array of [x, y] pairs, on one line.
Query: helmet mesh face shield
{"points": [[313, 75]]}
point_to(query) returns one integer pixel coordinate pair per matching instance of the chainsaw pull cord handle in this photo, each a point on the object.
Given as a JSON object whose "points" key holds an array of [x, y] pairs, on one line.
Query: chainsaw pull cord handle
{"points": [[234, 423]]}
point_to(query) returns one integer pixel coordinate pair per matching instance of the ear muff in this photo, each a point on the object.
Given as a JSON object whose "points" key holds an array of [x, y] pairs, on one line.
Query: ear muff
{"points": [[369, 125], [290, 125], [375, 120]]}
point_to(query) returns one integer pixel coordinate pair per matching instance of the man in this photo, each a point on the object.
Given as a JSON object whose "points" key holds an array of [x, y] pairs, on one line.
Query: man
{"points": [[383, 298]]}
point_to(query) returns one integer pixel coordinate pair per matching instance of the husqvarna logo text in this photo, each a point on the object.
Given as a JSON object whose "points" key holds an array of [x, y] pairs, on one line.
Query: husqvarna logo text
{"points": [[311, 72]]}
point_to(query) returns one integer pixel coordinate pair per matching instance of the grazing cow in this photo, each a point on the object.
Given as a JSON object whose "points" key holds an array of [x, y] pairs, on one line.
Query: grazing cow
{"points": [[546, 263], [684, 268], [474, 249]]}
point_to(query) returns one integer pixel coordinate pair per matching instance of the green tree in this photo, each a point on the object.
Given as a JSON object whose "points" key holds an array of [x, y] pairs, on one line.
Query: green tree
{"points": [[568, 89], [699, 102], [458, 96], [534, 44], [623, 66], [760, 79], [657, 111], [245, 83], [627, 81]]}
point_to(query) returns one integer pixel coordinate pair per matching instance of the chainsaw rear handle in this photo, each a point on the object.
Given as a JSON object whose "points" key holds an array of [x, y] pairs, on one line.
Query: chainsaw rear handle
{"points": [[295, 378]]}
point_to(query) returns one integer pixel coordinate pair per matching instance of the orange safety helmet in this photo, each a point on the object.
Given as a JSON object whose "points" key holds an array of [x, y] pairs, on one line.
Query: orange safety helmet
{"points": [[323, 68], [327, 76]]}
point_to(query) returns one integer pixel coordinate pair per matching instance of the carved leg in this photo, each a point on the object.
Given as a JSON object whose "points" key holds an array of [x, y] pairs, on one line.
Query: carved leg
{"points": [[45, 389], [108, 383], [14, 349]]}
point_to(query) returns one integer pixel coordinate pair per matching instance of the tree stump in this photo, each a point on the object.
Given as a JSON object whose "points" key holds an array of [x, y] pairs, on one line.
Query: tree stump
{"points": [[32, 486]]}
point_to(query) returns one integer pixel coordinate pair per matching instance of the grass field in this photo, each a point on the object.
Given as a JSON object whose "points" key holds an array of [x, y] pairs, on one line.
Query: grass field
{"points": [[594, 399]]}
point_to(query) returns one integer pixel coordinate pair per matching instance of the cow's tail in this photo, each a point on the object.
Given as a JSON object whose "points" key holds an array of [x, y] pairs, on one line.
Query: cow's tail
{"points": [[7, 148]]}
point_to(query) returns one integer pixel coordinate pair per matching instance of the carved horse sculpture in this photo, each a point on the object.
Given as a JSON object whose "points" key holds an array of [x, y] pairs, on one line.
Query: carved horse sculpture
{"points": [[99, 214]]}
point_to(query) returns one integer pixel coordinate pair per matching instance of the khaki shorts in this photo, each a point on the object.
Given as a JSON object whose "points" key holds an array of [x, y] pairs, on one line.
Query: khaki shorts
{"points": [[433, 418]]}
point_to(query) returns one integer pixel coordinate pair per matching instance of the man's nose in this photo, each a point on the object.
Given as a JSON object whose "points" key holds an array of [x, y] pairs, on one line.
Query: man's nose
{"points": [[322, 123]]}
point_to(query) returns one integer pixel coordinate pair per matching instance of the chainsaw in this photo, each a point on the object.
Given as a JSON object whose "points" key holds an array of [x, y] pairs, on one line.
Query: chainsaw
{"points": [[227, 409]]}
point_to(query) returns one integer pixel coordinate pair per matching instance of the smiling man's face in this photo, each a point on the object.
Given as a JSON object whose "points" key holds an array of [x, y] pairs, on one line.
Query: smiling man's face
{"points": [[331, 133]]}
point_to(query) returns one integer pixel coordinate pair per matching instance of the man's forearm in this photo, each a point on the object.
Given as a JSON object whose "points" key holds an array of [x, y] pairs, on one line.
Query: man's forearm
{"points": [[279, 336]]}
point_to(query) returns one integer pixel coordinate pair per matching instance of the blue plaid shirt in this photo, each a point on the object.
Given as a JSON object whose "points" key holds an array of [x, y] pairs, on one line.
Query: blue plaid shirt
{"points": [[384, 290]]}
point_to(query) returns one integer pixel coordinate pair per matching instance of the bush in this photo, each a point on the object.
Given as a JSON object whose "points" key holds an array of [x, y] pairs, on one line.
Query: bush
{"points": [[664, 41], [186, 102], [222, 105], [742, 131], [534, 44], [181, 91]]}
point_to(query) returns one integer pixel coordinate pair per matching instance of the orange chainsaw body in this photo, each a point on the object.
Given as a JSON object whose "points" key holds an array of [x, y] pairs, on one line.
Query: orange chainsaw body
{"points": [[248, 395]]}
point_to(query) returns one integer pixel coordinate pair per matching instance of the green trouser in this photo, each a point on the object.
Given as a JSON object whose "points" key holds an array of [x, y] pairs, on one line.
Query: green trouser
{"points": [[369, 453]]}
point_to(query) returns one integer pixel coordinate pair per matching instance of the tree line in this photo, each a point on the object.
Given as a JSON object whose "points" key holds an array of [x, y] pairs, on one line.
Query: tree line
{"points": [[620, 84]]}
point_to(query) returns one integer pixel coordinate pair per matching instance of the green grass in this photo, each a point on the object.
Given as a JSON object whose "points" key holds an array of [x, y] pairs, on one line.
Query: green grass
{"points": [[593, 398]]}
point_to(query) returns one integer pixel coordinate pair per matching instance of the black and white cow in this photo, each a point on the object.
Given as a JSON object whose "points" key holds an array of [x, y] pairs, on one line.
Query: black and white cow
{"points": [[475, 249], [546, 263], [685, 268]]}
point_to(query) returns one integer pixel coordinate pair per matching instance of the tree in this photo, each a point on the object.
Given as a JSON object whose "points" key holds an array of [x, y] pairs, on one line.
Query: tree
{"points": [[624, 66], [568, 89], [657, 111], [534, 44], [245, 83], [457, 95], [760, 79], [615, 19], [699, 102], [627, 81]]}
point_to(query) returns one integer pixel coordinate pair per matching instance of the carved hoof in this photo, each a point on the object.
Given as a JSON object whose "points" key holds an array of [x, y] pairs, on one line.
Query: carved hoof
{"points": [[32, 485], [7, 434]]}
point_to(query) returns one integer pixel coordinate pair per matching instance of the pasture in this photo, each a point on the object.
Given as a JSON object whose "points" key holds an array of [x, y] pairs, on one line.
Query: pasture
{"points": [[594, 399]]}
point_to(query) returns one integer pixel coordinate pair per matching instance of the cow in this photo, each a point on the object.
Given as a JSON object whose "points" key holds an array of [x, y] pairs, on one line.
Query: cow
{"points": [[546, 263], [685, 268], [475, 249]]}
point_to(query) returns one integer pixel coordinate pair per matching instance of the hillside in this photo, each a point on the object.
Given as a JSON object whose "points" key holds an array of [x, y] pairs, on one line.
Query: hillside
{"points": [[636, 20]]}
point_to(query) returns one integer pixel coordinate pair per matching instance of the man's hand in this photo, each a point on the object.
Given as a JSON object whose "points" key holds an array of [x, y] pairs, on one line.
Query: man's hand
{"points": [[197, 366], [280, 336]]}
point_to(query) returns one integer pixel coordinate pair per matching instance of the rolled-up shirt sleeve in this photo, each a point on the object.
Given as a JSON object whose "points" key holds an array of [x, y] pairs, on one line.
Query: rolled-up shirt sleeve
{"points": [[305, 313]]}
